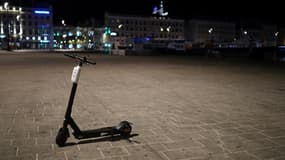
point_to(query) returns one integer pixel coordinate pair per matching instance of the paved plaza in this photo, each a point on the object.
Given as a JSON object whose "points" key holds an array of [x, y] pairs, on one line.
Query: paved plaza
{"points": [[181, 107]]}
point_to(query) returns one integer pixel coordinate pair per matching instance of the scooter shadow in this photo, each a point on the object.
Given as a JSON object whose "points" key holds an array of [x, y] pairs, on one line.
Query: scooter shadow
{"points": [[104, 139]]}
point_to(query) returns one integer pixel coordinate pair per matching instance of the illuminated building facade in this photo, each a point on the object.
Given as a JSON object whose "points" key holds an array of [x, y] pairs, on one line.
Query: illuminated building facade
{"points": [[23, 27], [86, 38], [137, 27], [135, 32]]}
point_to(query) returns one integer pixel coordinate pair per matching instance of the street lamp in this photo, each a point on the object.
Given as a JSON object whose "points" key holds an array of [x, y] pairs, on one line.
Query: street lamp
{"points": [[120, 26], [119, 29], [6, 7], [19, 35], [63, 22], [168, 29], [276, 37], [210, 30], [247, 39], [209, 42], [64, 34]]}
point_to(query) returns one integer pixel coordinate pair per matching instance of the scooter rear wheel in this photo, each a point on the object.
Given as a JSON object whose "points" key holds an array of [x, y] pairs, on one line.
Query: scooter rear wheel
{"points": [[62, 136], [124, 128]]}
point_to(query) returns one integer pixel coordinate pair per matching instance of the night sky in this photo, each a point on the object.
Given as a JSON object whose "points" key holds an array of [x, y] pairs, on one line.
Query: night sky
{"points": [[75, 11]]}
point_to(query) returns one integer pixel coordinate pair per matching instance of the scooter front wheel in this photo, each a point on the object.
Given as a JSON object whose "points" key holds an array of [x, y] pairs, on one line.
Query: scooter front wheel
{"points": [[62, 136], [124, 128]]}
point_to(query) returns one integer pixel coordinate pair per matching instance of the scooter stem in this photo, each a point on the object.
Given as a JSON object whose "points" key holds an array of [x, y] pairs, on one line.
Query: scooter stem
{"points": [[70, 102], [74, 79]]}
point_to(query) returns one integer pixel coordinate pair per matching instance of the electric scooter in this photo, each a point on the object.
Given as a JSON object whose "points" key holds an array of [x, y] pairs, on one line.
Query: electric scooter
{"points": [[123, 129]]}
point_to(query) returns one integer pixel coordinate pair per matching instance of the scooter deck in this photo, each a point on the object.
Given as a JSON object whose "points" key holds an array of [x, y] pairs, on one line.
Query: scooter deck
{"points": [[106, 131]]}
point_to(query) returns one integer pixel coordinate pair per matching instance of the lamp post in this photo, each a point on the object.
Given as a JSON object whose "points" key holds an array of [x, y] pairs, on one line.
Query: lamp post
{"points": [[210, 43], [168, 32], [276, 38], [63, 23], [64, 35], [246, 37], [275, 56], [210, 33], [19, 36], [120, 26], [6, 7]]}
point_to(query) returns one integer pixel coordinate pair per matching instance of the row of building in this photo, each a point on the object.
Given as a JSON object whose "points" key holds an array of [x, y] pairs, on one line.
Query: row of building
{"points": [[33, 28]]}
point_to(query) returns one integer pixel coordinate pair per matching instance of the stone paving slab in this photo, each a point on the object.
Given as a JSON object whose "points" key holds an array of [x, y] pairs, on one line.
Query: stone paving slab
{"points": [[182, 107]]}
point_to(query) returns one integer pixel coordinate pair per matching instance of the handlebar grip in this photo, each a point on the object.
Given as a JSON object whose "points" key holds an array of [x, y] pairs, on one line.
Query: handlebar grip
{"points": [[89, 62]]}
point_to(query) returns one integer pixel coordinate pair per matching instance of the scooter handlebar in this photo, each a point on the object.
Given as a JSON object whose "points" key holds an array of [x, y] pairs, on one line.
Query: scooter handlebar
{"points": [[81, 59]]}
